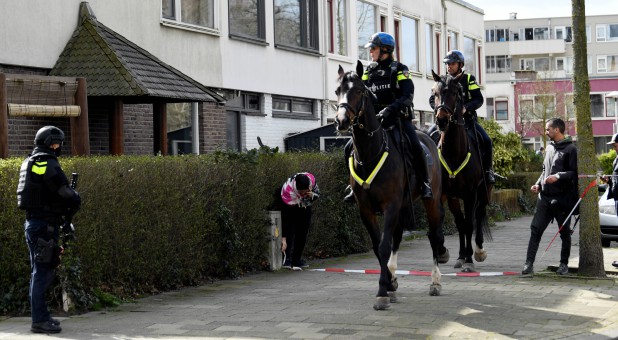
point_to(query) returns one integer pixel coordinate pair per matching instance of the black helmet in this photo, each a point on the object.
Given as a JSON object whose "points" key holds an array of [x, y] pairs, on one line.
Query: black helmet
{"points": [[48, 135], [454, 56], [384, 41], [614, 139]]}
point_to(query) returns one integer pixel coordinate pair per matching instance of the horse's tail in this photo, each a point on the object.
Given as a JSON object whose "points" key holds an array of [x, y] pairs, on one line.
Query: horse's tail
{"points": [[483, 225]]}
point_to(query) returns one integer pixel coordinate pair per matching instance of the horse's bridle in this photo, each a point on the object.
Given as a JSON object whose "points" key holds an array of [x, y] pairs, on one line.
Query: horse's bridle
{"points": [[451, 111], [359, 113]]}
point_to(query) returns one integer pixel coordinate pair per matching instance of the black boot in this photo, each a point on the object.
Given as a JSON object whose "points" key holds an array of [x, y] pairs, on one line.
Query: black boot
{"points": [[426, 192], [349, 198], [489, 176]]}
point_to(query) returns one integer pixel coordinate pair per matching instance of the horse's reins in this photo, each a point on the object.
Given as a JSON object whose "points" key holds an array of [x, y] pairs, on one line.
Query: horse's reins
{"points": [[383, 149], [443, 106]]}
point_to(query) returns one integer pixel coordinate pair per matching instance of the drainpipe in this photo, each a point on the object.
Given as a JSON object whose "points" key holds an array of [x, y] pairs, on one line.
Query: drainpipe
{"points": [[444, 29]]}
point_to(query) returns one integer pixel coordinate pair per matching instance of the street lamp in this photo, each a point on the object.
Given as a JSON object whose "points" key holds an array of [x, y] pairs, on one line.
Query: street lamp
{"points": [[614, 95]]}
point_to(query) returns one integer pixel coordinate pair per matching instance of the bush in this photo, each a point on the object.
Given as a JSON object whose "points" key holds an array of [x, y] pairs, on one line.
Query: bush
{"points": [[606, 161], [149, 224]]}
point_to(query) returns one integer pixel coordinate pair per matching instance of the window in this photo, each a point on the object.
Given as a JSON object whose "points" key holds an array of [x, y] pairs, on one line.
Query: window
{"points": [[296, 24], [452, 40], [502, 110], [292, 107], [498, 64], [545, 104], [179, 132], [526, 108], [569, 106], [470, 55], [564, 32], [246, 19], [428, 48], [607, 32], [612, 106], [497, 34], [366, 27], [607, 63], [337, 33], [489, 106], [409, 43], [536, 64], [534, 33], [237, 106], [596, 106], [199, 13]]}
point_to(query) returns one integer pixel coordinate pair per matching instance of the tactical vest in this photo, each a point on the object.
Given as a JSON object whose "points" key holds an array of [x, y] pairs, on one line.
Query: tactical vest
{"points": [[31, 190], [382, 81]]}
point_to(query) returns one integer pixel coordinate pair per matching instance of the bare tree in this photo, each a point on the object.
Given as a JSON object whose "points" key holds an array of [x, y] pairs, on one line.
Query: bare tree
{"points": [[590, 251]]}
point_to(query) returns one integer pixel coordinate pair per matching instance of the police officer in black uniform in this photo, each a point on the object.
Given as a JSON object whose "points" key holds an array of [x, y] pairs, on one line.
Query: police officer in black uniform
{"points": [[391, 82], [473, 100], [44, 192]]}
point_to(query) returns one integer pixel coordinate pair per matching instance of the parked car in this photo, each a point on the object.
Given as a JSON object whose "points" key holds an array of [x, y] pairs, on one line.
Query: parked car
{"points": [[608, 219]]}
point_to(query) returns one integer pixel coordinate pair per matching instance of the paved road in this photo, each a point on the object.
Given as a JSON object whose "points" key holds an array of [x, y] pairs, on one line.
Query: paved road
{"points": [[330, 305]]}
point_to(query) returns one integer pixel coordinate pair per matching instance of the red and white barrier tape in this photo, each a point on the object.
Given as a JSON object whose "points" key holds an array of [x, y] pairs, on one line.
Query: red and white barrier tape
{"points": [[412, 272]]}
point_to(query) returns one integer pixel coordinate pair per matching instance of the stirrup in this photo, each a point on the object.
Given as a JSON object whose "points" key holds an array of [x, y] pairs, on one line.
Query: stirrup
{"points": [[426, 192], [349, 198]]}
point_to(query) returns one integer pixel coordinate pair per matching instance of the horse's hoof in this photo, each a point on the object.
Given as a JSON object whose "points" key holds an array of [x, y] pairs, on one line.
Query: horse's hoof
{"points": [[480, 255], [468, 268], [459, 263], [444, 257], [394, 284], [435, 289], [382, 303], [393, 297]]}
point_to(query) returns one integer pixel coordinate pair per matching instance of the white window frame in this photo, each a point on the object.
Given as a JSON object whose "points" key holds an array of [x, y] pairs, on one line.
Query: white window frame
{"points": [[177, 23], [429, 52], [332, 31], [501, 100], [412, 61], [601, 34]]}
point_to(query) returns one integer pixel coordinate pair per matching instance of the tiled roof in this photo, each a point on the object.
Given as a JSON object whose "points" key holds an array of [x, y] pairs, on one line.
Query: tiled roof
{"points": [[114, 66]]}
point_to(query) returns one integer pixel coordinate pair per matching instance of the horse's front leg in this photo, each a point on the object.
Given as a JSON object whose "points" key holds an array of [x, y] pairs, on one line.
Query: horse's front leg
{"points": [[460, 223], [470, 212], [481, 220], [391, 215]]}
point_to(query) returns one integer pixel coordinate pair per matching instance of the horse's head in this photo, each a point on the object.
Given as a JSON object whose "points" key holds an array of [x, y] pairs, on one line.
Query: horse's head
{"points": [[448, 100], [352, 99]]}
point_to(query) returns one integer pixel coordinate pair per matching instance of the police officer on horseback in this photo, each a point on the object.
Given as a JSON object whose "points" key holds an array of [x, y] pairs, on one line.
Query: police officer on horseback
{"points": [[473, 99], [44, 192], [392, 84]]}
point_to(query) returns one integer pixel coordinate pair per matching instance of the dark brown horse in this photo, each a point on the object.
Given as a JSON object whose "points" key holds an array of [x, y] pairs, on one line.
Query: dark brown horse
{"points": [[381, 183], [462, 171]]}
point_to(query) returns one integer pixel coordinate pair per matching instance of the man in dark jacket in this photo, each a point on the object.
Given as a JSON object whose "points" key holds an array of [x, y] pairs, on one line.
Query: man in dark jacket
{"points": [[44, 192], [612, 181], [557, 189]]}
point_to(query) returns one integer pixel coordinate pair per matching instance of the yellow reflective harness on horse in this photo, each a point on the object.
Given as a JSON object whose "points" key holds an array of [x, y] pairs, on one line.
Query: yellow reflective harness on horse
{"points": [[452, 174], [366, 183]]}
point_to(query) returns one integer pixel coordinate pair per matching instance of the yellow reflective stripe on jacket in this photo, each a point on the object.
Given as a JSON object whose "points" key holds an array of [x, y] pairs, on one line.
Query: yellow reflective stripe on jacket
{"points": [[472, 85], [365, 76], [39, 168], [401, 76]]}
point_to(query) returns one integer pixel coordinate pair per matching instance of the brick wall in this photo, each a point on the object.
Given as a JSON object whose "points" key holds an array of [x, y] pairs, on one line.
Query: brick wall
{"points": [[138, 129], [212, 121]]}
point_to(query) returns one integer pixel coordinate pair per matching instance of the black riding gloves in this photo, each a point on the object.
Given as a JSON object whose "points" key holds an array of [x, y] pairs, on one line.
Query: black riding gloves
{"points": [[387, 117]]}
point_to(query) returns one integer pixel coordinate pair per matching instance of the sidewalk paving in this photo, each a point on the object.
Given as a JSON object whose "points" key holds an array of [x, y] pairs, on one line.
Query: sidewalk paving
{"points": [[332, 305]]}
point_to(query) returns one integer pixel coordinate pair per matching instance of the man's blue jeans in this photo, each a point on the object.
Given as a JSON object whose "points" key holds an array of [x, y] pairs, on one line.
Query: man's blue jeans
{"points": [[41, 274]]}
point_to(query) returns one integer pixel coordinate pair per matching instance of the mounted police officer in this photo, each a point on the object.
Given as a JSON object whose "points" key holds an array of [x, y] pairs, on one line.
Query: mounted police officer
{"points": [[392, 84], [473, 100], [44, 192]]}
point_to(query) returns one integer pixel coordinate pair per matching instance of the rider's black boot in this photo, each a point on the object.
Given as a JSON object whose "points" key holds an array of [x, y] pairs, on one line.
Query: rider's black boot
{"points": [[489, 176], [426, 192], [349, 198]]}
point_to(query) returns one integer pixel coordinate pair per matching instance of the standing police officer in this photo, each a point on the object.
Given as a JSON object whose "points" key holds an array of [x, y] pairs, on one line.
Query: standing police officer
{"points": [[473, 99], [45, 194], [392, 84]]}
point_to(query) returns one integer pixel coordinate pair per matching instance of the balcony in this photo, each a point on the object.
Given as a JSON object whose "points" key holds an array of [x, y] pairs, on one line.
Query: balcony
{"points": [[526, 47]]}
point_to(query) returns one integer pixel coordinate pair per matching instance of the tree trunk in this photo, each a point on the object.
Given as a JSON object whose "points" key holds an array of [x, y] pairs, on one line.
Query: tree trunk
{"points": [[590, 251]]}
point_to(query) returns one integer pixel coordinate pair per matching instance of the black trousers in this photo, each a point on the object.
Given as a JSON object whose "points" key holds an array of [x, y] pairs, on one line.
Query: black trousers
{"points": [[296, 222], [546, 209]]}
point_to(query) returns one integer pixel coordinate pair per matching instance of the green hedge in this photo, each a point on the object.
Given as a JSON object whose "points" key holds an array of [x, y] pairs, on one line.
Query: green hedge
{"points": [[156, 223]]}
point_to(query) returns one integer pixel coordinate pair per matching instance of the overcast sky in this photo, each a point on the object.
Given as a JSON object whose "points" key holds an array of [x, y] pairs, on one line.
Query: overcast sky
{"points": [[526, 9]]}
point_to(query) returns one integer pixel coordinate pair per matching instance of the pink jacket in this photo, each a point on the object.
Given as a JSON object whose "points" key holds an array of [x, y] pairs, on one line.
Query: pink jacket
{"points": [[289, 194]]}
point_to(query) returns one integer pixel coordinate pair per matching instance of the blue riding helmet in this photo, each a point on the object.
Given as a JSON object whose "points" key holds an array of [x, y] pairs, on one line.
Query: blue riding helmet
{"points": [[454, 56], [383, 40]]}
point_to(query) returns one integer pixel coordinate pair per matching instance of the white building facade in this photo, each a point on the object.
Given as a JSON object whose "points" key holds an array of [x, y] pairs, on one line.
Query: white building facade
{"points": [[275, 61]]}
